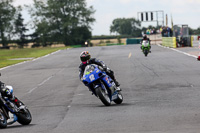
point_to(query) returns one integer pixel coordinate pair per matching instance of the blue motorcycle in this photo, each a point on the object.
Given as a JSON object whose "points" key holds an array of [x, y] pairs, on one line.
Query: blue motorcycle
{"points": [[101, 85]]}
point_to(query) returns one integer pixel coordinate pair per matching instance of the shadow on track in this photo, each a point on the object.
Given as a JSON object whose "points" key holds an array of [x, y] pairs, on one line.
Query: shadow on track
{"points": [[19, 126]]}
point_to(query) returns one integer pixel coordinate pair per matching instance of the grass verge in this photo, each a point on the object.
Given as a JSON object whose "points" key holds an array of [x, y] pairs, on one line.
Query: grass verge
{"points": [[7, 55]]}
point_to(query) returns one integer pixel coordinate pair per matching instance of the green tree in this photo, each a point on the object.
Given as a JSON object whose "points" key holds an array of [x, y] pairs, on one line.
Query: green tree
{"points": [[126, 26], [7, 13], [119, 39], [20, 30], [61, 20], [198, 31], [191, 31], [81, 34], [43, 33], [195, 31]]}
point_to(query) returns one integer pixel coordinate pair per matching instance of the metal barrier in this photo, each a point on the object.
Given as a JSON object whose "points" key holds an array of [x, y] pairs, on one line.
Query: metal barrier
{"points": [[133, 41]]}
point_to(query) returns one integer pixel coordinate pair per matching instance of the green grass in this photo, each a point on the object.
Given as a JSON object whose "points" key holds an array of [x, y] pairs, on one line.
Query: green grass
{"points": [[111, 44], [6, 55], [76, 46]]}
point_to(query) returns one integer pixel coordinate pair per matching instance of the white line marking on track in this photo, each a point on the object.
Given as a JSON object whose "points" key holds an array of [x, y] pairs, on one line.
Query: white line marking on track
{"points": [[41, 84], [80, 94]]}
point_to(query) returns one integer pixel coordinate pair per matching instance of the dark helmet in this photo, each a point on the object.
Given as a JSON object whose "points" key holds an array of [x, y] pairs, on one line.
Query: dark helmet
{"points": [[144, 36], [85, 56]]}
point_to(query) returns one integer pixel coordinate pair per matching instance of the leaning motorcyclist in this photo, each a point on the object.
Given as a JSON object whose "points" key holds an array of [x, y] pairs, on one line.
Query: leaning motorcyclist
{"points": [[86, 59], [8, 92], [145, 38]]}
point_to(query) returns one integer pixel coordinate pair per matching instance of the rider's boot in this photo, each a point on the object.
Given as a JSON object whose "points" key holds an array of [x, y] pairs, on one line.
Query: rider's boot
{"points": [[12, 118], [111, 74], [117, 85], [116, 82]]}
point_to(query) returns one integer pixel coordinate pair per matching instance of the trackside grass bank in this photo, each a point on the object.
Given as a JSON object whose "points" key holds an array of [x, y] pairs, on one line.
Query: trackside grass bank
{"points": [[10, 57]]}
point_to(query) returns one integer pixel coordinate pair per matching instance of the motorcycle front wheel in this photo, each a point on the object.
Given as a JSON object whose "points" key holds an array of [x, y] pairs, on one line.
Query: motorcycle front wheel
{"points": [[3, 121], [24, 115], [103, 96], [145, 52]]}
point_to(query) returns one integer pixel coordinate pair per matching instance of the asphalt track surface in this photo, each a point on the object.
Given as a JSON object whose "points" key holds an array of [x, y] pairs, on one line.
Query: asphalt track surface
{"points": [[161, 92]]}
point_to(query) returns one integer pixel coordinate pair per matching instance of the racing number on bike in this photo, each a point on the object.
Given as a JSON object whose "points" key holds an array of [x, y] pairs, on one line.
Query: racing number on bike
{"points": [[92, 77]]}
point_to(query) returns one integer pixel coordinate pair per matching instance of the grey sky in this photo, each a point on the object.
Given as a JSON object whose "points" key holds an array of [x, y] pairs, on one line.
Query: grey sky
{"points": [[182, 11]]}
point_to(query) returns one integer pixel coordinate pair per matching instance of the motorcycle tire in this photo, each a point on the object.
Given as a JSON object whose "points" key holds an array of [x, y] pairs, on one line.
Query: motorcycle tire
{"points": [[103, 96], [119, 99], [3, 121], [25, 117], [145, 52]]}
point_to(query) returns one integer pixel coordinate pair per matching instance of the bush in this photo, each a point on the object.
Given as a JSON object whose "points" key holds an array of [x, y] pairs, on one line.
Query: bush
{"points": [[109, 37], [35, 45], [5, 47], [108, 41], [119, 39], [101, 41]]}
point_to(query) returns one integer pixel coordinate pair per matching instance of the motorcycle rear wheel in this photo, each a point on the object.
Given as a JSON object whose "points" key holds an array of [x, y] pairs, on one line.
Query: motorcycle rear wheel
{"points": [[119, 99], [3, 121]]}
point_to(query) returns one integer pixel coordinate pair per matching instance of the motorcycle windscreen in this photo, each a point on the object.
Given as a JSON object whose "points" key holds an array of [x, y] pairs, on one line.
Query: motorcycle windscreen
{"points": [[90, 74], [89, 69], [145, 43]]}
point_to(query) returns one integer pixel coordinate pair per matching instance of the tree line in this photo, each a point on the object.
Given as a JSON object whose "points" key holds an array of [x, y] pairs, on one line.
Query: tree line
{"points": [[54, 21], [59, 21]]}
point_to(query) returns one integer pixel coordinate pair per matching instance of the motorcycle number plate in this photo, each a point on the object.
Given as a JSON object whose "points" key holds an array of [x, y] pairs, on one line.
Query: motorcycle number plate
{"points": [[92, 77], [114, 97]]}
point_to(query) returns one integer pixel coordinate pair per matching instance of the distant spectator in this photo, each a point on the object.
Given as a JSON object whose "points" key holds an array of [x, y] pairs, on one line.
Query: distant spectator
{"points": [[161, 30], [176, 33], [168, 31], [171, 32], [148, 31], [154, 31], [164, 32]]}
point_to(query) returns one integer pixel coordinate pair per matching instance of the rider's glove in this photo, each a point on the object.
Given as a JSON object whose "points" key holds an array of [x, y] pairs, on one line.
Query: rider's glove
{"points": [[104, 67], [2, 85]]}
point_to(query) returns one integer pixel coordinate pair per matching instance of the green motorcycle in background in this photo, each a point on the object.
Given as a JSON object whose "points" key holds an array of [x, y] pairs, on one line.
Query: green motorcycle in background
{"points": [[145, 47]]}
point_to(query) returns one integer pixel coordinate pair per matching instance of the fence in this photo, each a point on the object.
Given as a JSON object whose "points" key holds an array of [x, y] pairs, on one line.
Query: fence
{"points": [[133, 41]]}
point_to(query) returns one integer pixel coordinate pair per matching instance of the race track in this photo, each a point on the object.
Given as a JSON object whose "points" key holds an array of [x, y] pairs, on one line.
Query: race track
{"points": [[161, 92]]}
